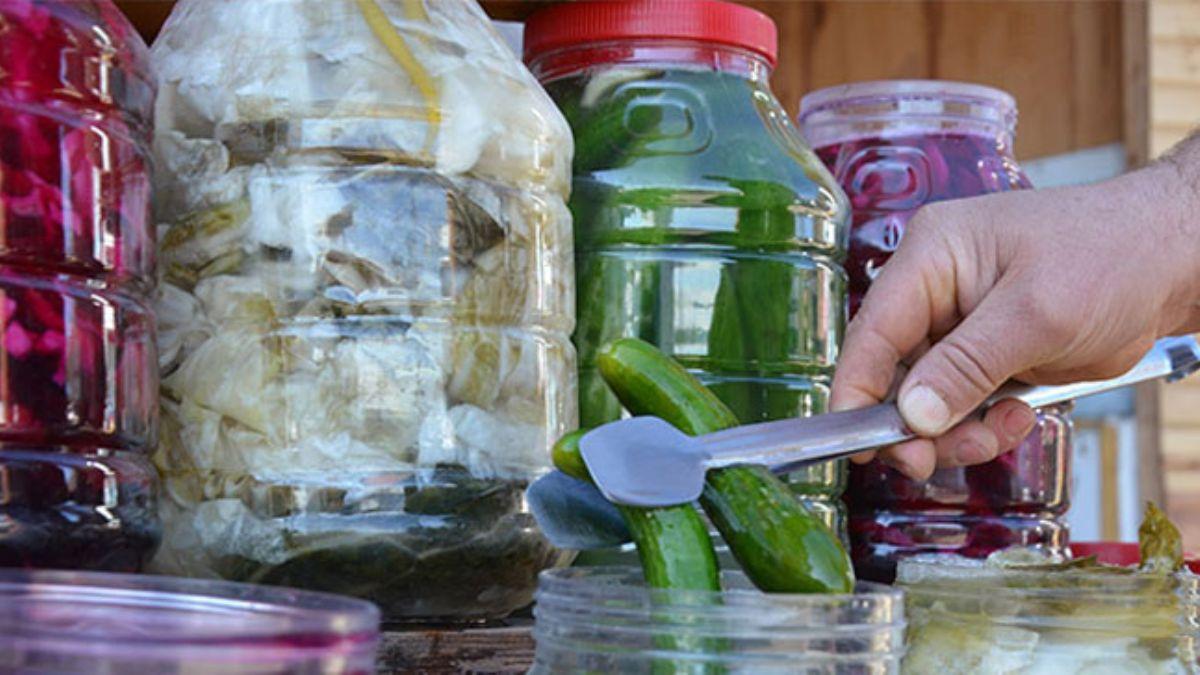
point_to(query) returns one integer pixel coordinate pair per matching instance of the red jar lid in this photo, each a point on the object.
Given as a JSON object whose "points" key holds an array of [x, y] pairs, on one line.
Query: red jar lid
{"points": [[572, 24], [1120, 553]]}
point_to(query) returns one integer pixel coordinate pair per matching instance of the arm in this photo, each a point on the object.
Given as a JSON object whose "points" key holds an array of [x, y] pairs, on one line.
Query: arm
{"points": [[1045, 286]]}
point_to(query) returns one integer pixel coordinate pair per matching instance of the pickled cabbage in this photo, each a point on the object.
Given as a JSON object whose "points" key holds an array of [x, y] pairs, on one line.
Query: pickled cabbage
{"points": [[366, 300]]}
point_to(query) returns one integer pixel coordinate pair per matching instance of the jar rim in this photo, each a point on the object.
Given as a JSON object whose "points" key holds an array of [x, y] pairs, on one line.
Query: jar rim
{"points": [[896, 108], [843, 94], [612, 584], [50, 608]]}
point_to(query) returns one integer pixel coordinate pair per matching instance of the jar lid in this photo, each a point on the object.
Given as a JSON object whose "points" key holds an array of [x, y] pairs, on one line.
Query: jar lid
{"points": [[573, 24], [85, 621]]}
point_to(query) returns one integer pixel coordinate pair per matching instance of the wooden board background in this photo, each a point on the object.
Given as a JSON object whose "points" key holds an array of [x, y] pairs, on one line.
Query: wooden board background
{"points": [[1062, 60], [1174, 35]]}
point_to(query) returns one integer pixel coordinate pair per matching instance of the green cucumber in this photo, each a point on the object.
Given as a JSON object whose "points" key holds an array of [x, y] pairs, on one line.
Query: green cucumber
{"points": [[780, 545], [672, 543]]}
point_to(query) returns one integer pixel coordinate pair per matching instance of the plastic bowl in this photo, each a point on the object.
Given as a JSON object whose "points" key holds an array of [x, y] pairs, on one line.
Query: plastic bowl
{"points": [[91, 622]]}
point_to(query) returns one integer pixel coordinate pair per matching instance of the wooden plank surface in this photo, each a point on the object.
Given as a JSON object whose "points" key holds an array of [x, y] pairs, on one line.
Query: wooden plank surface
{"points": [[483, 650], [1062, 60]]}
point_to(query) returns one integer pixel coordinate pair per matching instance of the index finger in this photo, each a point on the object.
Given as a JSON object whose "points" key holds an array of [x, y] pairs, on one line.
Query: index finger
{"points": [[913, 296]]}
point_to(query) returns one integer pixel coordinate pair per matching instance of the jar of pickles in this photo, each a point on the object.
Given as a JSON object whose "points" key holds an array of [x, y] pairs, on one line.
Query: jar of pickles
{"points": [[78, 379], [703, 224], [895, 146], [366, 303]]}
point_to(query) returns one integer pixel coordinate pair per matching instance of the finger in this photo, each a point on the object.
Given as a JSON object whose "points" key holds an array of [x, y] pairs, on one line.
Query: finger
{"points": [[914, 291], [1010, 421], [969, 443], [915, 459], [966, 366], [863, 457]]}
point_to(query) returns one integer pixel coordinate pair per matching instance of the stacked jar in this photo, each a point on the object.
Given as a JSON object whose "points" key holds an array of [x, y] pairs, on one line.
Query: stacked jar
{"points": [[703, 224], [367, 301], [895, 146], [78, 379]]}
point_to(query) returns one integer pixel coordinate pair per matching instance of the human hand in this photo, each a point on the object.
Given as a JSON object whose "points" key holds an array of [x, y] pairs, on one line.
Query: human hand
{"points": [[1045, 286]]}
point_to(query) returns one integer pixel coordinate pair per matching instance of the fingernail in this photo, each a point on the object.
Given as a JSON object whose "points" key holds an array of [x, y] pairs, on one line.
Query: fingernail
{"points": [[1018, 422], [968, 453], [924, 410]]}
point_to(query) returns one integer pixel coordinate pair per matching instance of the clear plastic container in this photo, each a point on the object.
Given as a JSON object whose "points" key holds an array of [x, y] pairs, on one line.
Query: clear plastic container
{"points": [[78, 382], [895, 146], [108, 624], [367, 301], [703, 224], [966, 617], [604, 619]]}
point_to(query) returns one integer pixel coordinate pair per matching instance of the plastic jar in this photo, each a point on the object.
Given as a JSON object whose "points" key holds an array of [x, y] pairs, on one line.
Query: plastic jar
{"points": [[703, 224], [78, 382], [72, 622], [895, 146], [966, 617], [367, 301], [604, 619]]}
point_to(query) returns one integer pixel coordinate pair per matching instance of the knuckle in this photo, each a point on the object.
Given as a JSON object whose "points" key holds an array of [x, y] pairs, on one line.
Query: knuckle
{"points": [[970, 365], [1050, 320]]}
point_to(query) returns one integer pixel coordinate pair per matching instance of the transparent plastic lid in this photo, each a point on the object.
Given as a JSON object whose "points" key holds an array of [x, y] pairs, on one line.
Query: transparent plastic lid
{"points": [[890, 108], [96, 622]]}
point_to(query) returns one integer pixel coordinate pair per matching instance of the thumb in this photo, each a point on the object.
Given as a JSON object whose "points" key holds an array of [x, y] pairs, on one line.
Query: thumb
{"points": [[966, 366]]}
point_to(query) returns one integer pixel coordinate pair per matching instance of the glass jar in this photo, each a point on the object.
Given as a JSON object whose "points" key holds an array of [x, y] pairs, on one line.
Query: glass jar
{"points": [[78, 382], [604, 619], [92, 622], [968, 617], [895, 146], [367, 302], [703, 224]]}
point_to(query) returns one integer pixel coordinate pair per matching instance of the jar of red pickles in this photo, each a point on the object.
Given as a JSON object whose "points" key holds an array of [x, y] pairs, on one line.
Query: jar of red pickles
{"points": [[895, 146], [78, 372]]}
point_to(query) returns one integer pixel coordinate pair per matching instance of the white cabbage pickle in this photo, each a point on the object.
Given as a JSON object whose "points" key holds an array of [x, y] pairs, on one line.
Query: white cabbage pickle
{"points": [[365, 303], [1021, 612]]}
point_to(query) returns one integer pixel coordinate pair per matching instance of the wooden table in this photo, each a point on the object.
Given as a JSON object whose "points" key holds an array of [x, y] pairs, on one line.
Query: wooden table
{"points": [[505, 648]]}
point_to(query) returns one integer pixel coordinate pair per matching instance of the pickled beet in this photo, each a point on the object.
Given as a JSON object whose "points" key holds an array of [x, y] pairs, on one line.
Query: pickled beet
{"points": [[78, 368], [932, 148]]}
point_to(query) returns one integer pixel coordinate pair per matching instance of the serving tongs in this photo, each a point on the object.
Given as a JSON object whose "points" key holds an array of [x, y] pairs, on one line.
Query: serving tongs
{"points": [[645, 461]]}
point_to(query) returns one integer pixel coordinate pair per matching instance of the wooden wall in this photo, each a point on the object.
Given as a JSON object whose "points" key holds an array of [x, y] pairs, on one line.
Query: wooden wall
{"points": [[1062, 60], [1174, 28]]}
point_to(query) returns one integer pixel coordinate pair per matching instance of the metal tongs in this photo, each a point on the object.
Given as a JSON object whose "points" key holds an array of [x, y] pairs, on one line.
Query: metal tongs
{"points": [[644, 461]]}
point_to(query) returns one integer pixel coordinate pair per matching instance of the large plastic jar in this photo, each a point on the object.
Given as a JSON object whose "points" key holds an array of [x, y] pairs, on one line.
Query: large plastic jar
{"points": [[968, 617], [78, 381], [895, 146], [605, 620], [92, 622], [703, 224], [367, 301]]}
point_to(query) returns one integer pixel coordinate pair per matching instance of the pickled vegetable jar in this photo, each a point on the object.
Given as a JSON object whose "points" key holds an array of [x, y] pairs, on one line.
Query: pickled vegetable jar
{"points": [[605, 620], [366, 303], [78, 380], [703, 224], [971, 617], [894, 146]]}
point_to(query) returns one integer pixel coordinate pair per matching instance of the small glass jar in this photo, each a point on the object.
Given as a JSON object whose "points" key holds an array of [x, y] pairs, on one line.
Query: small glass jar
{"points": [[703, 224], [604, 619], [967, 617], [895, 146], [89, 622], [78, 373]]}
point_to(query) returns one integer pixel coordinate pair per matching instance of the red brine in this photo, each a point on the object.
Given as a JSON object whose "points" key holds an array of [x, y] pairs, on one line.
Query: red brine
{"points": [[895, 146], [78, 365]]}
